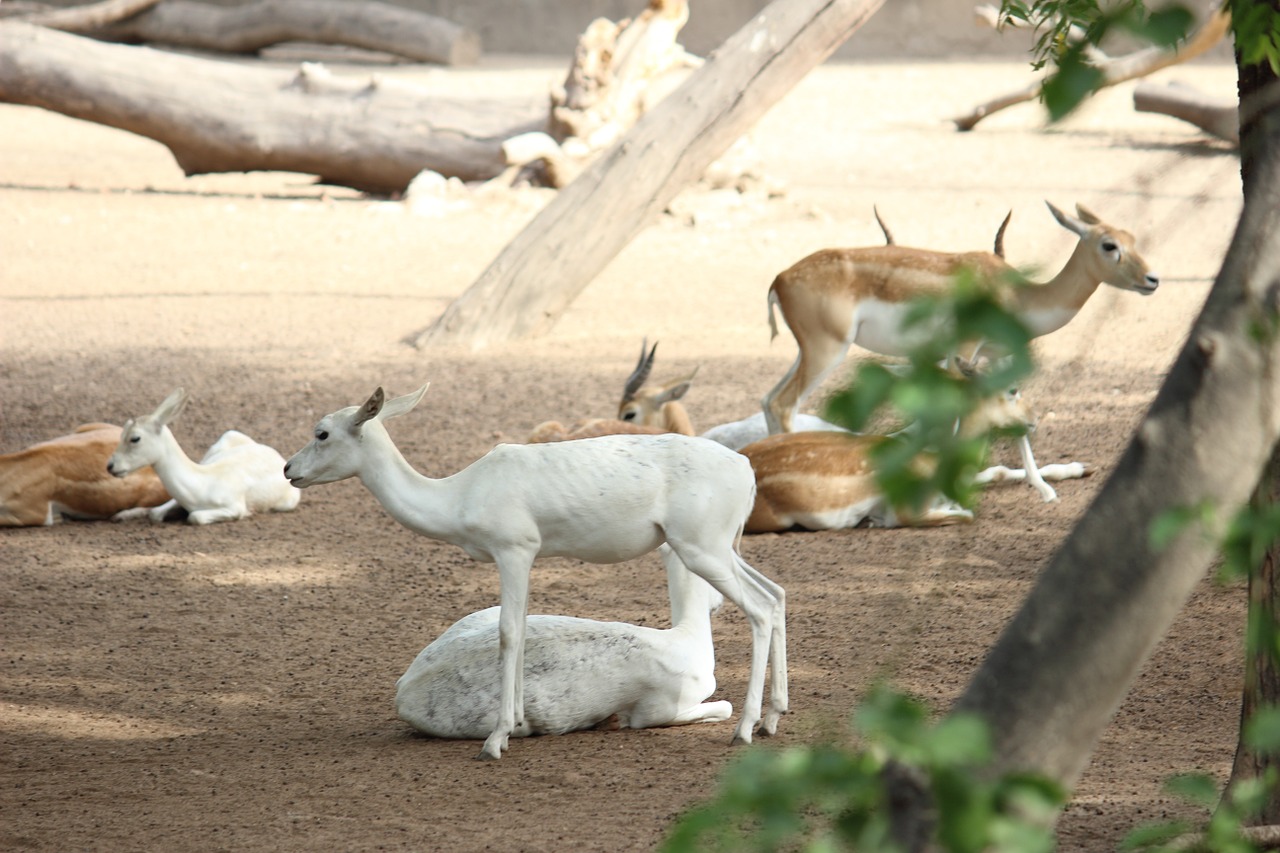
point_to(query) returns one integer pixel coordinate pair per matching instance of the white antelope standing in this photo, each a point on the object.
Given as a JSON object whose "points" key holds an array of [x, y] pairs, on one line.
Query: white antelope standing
{"points": [[67, 477], [826, 480], [578, 673], [602, 500], [236, 478], [835, 298]]}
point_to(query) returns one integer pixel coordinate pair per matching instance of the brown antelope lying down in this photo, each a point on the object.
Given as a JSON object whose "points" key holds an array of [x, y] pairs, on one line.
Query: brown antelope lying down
{"points": [[68, 477], [835, 298], [825, 480], [644, 410], [654, 409]]}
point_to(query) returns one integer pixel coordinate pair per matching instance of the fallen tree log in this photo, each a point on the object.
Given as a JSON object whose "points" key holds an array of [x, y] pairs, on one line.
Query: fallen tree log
{"points": [[538, 275], [374, 134], [84, 19], [1217, 116], [249, 28]]}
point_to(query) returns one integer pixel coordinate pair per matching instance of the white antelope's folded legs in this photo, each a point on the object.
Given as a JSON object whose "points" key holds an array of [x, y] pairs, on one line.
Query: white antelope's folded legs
{"points": [[1033, 472]]}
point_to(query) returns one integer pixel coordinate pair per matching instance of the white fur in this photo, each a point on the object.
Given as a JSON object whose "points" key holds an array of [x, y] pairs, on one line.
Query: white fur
{"points": [[236, 477], [736, 435], [602, 500], [578, 673]]}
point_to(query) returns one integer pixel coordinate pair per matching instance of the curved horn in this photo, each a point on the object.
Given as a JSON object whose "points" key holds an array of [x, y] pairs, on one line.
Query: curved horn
{"points": [[641, 374], [888, 235], [999, 248]]}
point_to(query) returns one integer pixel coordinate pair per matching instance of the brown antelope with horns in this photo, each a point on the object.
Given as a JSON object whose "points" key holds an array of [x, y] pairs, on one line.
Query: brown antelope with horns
{"points": [[835, 298], [644, 410]]}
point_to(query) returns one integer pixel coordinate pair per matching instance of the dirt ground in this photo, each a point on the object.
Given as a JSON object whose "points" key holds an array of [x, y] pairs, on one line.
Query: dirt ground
{"points": [[230, 688]]}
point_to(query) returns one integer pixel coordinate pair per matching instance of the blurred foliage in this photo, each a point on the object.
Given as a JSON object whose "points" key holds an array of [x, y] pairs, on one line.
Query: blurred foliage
{"points": [[933, 399], [1068, 32], [821, 798]]}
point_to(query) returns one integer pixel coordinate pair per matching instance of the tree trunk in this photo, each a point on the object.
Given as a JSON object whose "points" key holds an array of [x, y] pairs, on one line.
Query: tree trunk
{"points": [[535, 278], [373, 135], [1262, 671], [245, 29], [1259, 127], [1061, 667]]}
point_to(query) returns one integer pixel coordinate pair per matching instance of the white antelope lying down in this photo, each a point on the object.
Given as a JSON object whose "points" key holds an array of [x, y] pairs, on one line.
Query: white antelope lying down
{"points": [[825, 480], [578, 673], [236, 478], [601, 500], [67, 477], [835, 298]]}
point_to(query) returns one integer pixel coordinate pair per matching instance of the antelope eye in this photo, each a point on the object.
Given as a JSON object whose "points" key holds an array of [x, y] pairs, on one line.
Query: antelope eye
{"points": [[135, 439], [322, 435], [629, 416], [1109, 246]]}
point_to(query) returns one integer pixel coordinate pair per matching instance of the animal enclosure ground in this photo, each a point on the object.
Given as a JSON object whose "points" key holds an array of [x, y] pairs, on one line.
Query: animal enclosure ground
{"points": [[230, 688]]}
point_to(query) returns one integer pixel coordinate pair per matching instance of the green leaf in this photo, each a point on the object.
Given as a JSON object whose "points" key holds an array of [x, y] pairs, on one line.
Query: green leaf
{"points": [[1154, 835], [1262, 730], [1166, 27], [1195, 788], [1068, 87]]}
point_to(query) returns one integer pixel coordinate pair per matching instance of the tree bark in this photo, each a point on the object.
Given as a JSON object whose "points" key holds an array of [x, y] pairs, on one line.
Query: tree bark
{"points": [[245, 29], [371, 134], [1061, 667], [1215, 116], [84, 19], [1259, 127], [1262, 671], [530, 284]]}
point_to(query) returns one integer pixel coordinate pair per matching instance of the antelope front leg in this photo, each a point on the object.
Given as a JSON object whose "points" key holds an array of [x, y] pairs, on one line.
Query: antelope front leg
{"points": [[511, 626], [1033, 473]]}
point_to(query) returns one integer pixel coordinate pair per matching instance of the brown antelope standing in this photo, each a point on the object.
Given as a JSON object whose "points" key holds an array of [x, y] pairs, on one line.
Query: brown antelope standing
{"points": [[835, 298], [826, 481], [67, 476]]}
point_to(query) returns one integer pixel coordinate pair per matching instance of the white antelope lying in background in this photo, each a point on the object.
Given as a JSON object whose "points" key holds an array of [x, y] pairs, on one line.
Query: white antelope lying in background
{"points": [[67, 477], [236, 478], [579, 673], [835, 298], [825, 480], [602, 500], [655, 409]]}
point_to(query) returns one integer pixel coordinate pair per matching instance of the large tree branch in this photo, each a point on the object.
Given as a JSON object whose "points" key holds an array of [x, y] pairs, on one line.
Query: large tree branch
{"points": [[248, 28], [374, 134], [84, 19], [525, 290]]}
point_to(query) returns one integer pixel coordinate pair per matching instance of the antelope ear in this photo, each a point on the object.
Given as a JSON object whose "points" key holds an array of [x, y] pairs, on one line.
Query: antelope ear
{"points": [[677, 389], [171, 407], [1068, 222], [369, 410], [1087, 215], [403, 405]]}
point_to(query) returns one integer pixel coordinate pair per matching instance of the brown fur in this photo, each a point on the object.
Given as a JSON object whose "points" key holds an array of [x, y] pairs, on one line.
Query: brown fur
{"points": [[67, 476]]}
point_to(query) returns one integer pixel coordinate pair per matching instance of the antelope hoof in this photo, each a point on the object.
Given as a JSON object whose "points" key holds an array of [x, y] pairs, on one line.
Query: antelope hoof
{"points": [[485, 756]]}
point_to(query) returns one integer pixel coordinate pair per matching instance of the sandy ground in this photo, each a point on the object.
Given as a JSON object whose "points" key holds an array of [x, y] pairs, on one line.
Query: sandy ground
{"points": [[229, 688]]}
